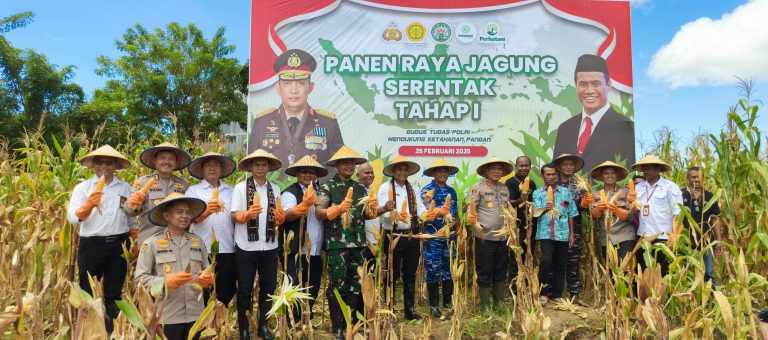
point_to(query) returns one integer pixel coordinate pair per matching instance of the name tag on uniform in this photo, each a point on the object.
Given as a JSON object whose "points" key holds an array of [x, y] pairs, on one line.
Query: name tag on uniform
{"points": [[646, 210]]}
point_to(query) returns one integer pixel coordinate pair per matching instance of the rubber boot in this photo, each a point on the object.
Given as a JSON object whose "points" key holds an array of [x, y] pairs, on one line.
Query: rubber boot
{"points": [[263, 330], [243, 325], [485, 297], [409, 289], [352, 301], [499, 292], [447, 294], [433, 292], [337, 321]]}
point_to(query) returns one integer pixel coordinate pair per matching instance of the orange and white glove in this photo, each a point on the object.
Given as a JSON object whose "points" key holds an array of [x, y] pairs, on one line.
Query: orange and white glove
{"points": [[93, 201], [213, 207], [587, 200], [177, 279], [279, 213], [622, 214], [137, 199], [205, 280]]}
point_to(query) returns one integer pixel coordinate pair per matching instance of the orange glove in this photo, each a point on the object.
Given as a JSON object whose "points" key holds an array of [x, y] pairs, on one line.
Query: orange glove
{"points": [[210, 209], [587, 200], [310, 197], [255, 211], [333, 212], [137, 199], [134, 234], [346, 204], [429, 215], [599, 209], [373, 204], [177, 279], [92, 202], [622, 214], [301, 210], [632, 197], [677, 229], [205, 280], [403, 216], [243, 216], [279, 213], [472, 218]]}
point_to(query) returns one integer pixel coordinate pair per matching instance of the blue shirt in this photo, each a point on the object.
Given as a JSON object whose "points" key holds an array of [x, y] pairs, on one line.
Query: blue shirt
{"points": [[440, 194], [556, 228]]}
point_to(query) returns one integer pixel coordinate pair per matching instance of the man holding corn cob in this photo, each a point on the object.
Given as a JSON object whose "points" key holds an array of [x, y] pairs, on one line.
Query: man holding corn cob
{"points": [[257, 213], [437, 262], [555, 208], [344, 233], [96, 205], [611, 209], [177, 259], [567, 165], [215, 224], [150, 190], [307, 241], [520, 187], [491, 250], [696, 199]]}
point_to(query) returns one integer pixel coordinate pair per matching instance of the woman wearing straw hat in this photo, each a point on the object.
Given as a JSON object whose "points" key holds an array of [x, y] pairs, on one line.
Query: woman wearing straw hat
{"points": [[344, 243], [102, 232], [567, 165], [216, 220], [299, 204], [437, 263], [405, 257], [164, 158], [622, 232], [256, 237], [659, 207], [491, 251], [177, 259]]}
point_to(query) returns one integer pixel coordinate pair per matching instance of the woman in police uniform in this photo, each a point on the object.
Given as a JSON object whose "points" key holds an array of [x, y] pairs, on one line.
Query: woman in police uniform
{"points": [[176, 258]]}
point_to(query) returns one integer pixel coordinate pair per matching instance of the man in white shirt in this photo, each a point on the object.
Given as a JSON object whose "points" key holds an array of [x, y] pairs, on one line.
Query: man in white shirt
{"points": [[659, 207], [365, 176], [257, 218], [96, 205], [307, 242], [216, 220]]}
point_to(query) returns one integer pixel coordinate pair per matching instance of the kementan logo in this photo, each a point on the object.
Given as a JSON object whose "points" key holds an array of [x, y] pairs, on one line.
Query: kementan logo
{"points": [[441, 32], [492, 34], [466, 32]]}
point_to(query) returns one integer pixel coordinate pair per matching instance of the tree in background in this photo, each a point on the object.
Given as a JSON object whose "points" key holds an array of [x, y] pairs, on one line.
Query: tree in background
{"points": [[174, 81]]}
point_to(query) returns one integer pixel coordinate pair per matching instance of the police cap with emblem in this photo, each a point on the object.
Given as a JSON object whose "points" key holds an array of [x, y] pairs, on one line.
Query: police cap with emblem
{"points": [[294, 64]]}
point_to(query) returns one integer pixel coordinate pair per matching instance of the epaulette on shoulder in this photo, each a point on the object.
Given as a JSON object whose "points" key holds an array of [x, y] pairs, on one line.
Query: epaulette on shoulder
{"points": [[325, 113], [264, 113]]}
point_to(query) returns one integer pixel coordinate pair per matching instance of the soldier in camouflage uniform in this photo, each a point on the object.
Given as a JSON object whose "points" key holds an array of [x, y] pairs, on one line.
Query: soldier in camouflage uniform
{"points": [[344, 245], [165, 158], [437, 262], [567, 165]]}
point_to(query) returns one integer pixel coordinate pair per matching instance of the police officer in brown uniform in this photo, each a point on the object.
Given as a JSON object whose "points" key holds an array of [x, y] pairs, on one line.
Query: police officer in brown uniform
{"points": [[295, 129], [165, 158]]}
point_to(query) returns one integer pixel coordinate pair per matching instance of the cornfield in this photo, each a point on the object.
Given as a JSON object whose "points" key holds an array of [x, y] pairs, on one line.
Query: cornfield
{"points": [[40, 297]]}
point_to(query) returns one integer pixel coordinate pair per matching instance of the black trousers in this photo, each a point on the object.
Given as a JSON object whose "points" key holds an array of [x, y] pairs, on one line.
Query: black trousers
{"points": [[101, 256], [226, 278], [514, 268], [405, 259], [660, 257], [491, 261], [179, 331], [624, 248], [572, 267], [311, 272], [249, 263], [552, 267]]}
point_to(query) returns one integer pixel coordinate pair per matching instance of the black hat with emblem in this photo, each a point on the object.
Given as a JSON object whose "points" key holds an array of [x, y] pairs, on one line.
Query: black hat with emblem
{"points": [[294, 64]]}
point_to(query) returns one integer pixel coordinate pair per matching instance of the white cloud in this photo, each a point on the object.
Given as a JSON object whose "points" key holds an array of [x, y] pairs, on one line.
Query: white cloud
{"points": [[640, 3], [712, 52]]}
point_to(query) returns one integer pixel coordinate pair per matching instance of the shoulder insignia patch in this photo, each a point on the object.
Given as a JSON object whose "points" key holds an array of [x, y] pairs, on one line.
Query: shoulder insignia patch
{"points": [[325, 113], [264, 113]]}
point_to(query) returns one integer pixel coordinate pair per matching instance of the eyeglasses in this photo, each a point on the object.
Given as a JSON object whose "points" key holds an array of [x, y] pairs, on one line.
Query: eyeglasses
{"points": [[107, 162], [307, 171]]}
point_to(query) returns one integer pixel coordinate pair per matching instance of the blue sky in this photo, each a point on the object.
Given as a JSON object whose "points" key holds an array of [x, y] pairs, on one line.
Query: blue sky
{"points": [[674, 92]]}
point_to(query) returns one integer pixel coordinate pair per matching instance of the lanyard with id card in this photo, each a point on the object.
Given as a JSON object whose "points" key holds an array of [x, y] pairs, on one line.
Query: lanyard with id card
{"points": [[647, 206]]}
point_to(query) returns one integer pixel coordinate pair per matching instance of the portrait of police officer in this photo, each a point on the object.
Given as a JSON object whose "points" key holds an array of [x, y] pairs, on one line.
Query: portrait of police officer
{"points": [[295, 129]]}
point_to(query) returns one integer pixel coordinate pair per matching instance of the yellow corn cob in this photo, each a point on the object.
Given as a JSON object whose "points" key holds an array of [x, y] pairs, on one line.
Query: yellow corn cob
{"points": [[550, 195], [99, 185], [215, 195], [349, 193], [148, 185], [603, 197], [256, 199], [197, 286], [526, 185], [631, 186]]}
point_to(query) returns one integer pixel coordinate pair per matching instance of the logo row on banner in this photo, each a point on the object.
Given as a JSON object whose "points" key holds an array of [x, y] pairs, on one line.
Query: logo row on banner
{"points": [[416, 32]]}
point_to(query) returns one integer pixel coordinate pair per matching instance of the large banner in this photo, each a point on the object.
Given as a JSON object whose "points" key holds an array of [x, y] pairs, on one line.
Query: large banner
{"points": [[464, 80]]}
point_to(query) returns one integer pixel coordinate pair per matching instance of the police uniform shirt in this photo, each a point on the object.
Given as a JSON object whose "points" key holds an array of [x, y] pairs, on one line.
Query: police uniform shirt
{"points": [[239, 202], [313, 226], [161, 189], [489, 199], [221, 222], [401, 195], [662, 200], [162, 253], [112, 221]]}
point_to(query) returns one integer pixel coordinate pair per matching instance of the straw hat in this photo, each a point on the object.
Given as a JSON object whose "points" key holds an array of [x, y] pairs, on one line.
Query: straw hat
{"points": [[121, 162], [412, 166], [147, 157], [505, 166], [306, 162], [274, 162], [195, 167], [578, 161], [440, 163], [345, 153], [597, 172], [652, 160], [197, 207]]}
